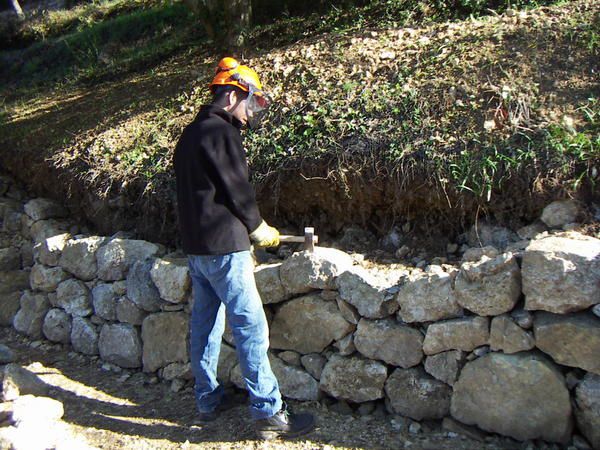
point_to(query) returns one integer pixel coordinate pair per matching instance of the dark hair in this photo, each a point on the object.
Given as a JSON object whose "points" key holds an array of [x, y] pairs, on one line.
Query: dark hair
{"points": [[220, 92]]}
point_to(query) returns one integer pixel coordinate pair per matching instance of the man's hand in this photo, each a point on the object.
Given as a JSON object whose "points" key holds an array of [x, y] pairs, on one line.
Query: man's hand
{"points": [[265, 236]]}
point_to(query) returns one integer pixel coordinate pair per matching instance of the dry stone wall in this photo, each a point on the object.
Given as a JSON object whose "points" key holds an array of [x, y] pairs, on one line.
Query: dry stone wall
{"points": [[508, 341]]}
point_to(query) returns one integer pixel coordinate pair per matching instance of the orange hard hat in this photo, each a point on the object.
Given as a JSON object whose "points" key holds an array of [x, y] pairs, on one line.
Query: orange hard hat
{"points": [[230, 72]]}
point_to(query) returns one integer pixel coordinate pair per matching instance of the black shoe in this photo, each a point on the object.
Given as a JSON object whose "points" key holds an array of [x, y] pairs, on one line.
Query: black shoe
{"points": [[284, 424], [228, 402]]}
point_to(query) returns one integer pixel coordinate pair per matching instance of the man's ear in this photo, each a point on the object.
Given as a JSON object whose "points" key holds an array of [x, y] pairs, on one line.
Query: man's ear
{"points": [[232, 98]]}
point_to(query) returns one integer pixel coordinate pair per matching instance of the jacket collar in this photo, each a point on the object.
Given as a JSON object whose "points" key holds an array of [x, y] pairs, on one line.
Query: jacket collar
{"points": [[207, 111]]}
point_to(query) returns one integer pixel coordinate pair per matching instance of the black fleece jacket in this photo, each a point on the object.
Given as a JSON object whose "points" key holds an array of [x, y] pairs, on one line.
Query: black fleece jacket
{"points": [[216, 202]]}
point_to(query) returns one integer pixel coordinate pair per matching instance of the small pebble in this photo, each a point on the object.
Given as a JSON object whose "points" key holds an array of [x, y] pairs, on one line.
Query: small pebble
{"points": [[414, 428]]}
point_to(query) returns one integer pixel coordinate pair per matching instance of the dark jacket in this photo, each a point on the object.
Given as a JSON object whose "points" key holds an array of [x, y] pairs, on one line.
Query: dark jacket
{"points": [[216, 202]]}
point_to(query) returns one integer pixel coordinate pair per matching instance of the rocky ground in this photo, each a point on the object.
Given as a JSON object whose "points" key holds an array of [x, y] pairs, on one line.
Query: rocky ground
{"points": [[127, 409]]}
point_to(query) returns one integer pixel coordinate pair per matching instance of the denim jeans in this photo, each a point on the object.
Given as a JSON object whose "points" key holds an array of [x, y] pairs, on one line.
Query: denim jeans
{"points": [[223, 285]]}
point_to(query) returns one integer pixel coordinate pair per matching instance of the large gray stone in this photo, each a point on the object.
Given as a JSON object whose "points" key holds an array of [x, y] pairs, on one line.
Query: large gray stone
{"points": [[307, 325], [314, 364], [128, 312], [413, 393], [43, 208], [348, 311], [74, 297], [269, 283], [84, 336], [369, 295], [427, 297], [57, 326], [304, 271], [561, 274], [522, 395], [485, 235], [445, 366], [17, 381], [165, 339], [489, 287], [571, 340], [509, 337], [294, 382], [9, 305], [104, 300], [178, 370], [457, 334], [120, 344], [44, 229], [354, 379], [389, 341], [47, 279], [140, 287], [559, 213], [172, 278], [48, 251], [587, 408], [10, 259], [79, 257], [116, 257], [30, 318]]}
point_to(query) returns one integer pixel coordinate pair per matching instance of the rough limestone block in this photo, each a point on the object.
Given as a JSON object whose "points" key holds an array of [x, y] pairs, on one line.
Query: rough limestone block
{"points": [[9, 305], [43, 208], [294, 382], [84, 336], [561, 274], [74, 297], [116, 258], [445, 366], [269, 283], [57, 326], [104, 300], [140, 287], [560, 213], [369, 295], [509, 337], [47, 279], [172, 278], [354, 379], [30, 318], [523, 396], [457, 334], [79, 257], [389, 341], [164, 336], [587, 408], [48, 251], [120, 344], [17, 381]]}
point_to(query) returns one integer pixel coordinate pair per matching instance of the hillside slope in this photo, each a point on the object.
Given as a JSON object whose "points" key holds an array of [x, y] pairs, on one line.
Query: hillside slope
{"points": [[437, 125]]}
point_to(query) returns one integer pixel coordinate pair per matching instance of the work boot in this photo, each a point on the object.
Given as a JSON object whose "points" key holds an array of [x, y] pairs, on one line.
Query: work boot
{"points": [[284, 424], [229, 401]]}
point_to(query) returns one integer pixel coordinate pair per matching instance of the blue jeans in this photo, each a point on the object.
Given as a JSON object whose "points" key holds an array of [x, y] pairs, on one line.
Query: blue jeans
{"points": [[223, 285]]}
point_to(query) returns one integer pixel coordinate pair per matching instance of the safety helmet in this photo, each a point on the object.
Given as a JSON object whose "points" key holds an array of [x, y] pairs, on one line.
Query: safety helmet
{"points": [[231, 73]]}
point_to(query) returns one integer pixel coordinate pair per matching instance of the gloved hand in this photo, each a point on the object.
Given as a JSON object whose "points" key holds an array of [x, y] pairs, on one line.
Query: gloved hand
{"points": [[265, 236]]}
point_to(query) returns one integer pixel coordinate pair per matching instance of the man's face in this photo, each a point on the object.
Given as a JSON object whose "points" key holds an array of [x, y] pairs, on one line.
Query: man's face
{"points": [[238, 107]]}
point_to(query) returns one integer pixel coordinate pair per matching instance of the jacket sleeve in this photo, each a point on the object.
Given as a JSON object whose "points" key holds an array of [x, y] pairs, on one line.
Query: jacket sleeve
{"points": [[230, 172]]}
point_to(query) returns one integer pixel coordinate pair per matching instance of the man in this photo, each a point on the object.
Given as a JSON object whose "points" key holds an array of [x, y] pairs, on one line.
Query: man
{"points": [[218, 217]]}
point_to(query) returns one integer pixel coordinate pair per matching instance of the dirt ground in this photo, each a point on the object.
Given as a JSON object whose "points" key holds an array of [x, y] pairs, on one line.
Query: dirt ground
{"points": [[131, 410]]}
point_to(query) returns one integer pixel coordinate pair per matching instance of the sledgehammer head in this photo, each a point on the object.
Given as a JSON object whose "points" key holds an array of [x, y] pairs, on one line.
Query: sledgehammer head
{"points": [[309, 239]]}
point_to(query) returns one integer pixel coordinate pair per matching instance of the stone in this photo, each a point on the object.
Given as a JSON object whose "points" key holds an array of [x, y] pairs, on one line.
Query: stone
{"points": [[79, 257], [476, 253], [120, 344], [345, 346], [269, 283], [307, 325], [10, 259], [116, 258], [522, 396], [389, 341], [7, 355], [140, 287], [17, 381], [571, 340], [531, 231], [227, 361], [172, 279], [178, 370], [57, 326], [290, 357], [49, 250], [484, 235], [104, 300], [349, 312], [84, 336], [30, 318], [456, 334], [522, 318], [74, 297], [489, 287], [128, 312], [305, 271], [44, 229], [427, 297], [561, 274], [164, 336], [354, 379], [453, 426], [177, 385], [43, 208], [313, 363], [294, 382], [11, 222], [560, 213], [445, 366], [29, 408], [507, 336], [366, 293], [13, 281], [9, 305], [47, 279], [596, 310], [587, 408], [413, 393]]}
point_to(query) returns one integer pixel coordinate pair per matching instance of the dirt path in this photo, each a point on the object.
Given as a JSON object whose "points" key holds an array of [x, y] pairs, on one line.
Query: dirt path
{"points": [[130, 410]]}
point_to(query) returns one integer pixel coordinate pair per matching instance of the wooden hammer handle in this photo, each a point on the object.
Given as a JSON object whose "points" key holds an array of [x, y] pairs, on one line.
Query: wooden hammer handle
{"points": [[300, 239]]}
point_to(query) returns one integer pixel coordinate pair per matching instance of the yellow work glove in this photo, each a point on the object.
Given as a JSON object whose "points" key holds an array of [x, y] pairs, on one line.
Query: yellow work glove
{"points": [[265, 236]]}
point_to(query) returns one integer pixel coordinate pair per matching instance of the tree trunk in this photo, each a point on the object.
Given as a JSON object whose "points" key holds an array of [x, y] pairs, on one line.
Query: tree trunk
{"points": [[17, 8]]}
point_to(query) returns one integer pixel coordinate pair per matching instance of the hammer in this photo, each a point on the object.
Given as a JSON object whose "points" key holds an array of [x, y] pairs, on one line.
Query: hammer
{"points": [[309, 239]]}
